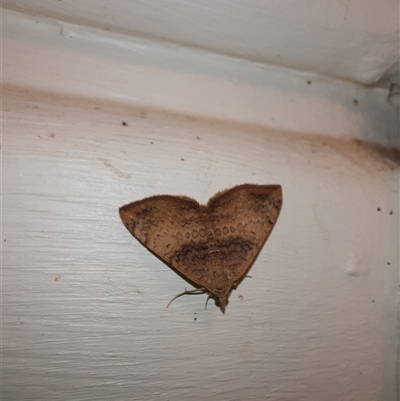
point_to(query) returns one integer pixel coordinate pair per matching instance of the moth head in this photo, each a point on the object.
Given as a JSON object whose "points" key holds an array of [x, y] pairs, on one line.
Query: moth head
{"points": [[222, 303], [222, 300]]}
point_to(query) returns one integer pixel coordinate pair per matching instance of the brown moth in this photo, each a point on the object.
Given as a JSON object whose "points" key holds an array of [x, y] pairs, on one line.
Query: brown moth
{"points": [[212, 246]]}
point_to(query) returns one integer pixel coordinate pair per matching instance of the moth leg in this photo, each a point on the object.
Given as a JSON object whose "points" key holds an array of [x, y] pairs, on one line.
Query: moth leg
{"points": [[235, 285], [195, 291], [209, 296]]}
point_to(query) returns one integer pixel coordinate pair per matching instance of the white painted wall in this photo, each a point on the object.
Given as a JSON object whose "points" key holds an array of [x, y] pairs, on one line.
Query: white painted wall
{"points": [[354, 40], [84, 312]]}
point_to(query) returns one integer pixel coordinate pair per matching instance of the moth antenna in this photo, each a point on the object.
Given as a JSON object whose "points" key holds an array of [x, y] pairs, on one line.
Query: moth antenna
{"points": [[195, 291]]}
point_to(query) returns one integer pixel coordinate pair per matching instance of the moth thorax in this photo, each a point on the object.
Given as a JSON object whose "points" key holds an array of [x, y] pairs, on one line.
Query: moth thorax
{"points": [[216, 268]]}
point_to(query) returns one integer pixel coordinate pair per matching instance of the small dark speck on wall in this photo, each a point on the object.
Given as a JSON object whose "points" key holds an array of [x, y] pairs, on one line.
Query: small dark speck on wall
{"points": [[124, 124], [378, 209], [355, 101], [309, 82]]}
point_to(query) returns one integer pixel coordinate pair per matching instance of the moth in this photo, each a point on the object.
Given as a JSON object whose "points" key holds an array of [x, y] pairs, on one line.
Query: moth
{"points": [[212, 246]]}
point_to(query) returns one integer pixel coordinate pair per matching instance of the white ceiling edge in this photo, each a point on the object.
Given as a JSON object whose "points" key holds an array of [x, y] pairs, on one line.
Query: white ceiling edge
{"points": [[356, 40], [54, 56]]}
